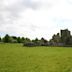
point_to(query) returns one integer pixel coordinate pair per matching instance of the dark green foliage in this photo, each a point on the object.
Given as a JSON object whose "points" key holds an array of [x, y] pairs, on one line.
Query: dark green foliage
{"points": [[63, 38], [43, 42], [56, 40], [13, 39], [36, 41], [0, 39], [30, 44], [7, 39], [22, 39], [28, 40], [19, 40]]}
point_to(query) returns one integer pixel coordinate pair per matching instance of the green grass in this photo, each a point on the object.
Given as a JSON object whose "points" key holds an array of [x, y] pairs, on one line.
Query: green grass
{"points": [[16, 58]]}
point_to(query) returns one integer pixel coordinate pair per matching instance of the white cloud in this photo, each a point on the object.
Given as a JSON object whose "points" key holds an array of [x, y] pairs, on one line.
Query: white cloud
{"points": [[35, 18]]}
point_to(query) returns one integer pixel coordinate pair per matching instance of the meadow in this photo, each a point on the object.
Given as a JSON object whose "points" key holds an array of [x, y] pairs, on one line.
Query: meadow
{"points": [[16, 58]]}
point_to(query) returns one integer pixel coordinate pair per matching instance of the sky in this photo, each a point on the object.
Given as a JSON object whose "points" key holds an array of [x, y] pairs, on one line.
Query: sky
{"points": [[35, 18]]}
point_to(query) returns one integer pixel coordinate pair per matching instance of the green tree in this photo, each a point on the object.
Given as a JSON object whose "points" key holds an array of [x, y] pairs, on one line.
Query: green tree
{"points": [[14, 37], [7, 39], [27, 40], [22, 39], [19, 40], [36, 41], [0, 39], [43, 42], [56, 38]]}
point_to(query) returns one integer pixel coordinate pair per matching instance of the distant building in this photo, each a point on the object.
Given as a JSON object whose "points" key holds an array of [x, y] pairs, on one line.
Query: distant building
{"points": [[65, 36], [65, 33]]}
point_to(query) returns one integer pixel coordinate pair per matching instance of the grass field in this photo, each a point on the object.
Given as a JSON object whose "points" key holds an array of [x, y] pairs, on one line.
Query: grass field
{"points": [[16, 58]]}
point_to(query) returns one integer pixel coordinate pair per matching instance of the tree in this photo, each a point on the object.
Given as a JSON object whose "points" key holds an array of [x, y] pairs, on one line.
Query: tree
{"points": [[19, 40], [43, 42], [7, 39], [36, 41], [27, 40], [22, 39], [30, 44], [56, 40], [0, 39], [13, 39]]}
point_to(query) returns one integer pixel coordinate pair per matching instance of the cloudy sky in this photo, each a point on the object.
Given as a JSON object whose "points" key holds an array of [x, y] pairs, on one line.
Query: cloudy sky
{"points": [[35, 18]]}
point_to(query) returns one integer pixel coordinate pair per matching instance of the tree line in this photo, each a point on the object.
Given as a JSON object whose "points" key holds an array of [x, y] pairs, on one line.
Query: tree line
{"points": [[63, 38]]}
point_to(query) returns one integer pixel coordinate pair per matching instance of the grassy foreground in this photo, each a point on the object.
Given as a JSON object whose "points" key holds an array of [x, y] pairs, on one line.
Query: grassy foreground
{"points": [[16, 58]]}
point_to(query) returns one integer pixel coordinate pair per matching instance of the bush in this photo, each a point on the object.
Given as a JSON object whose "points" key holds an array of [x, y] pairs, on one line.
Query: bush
{"points": [[30, 44]]}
